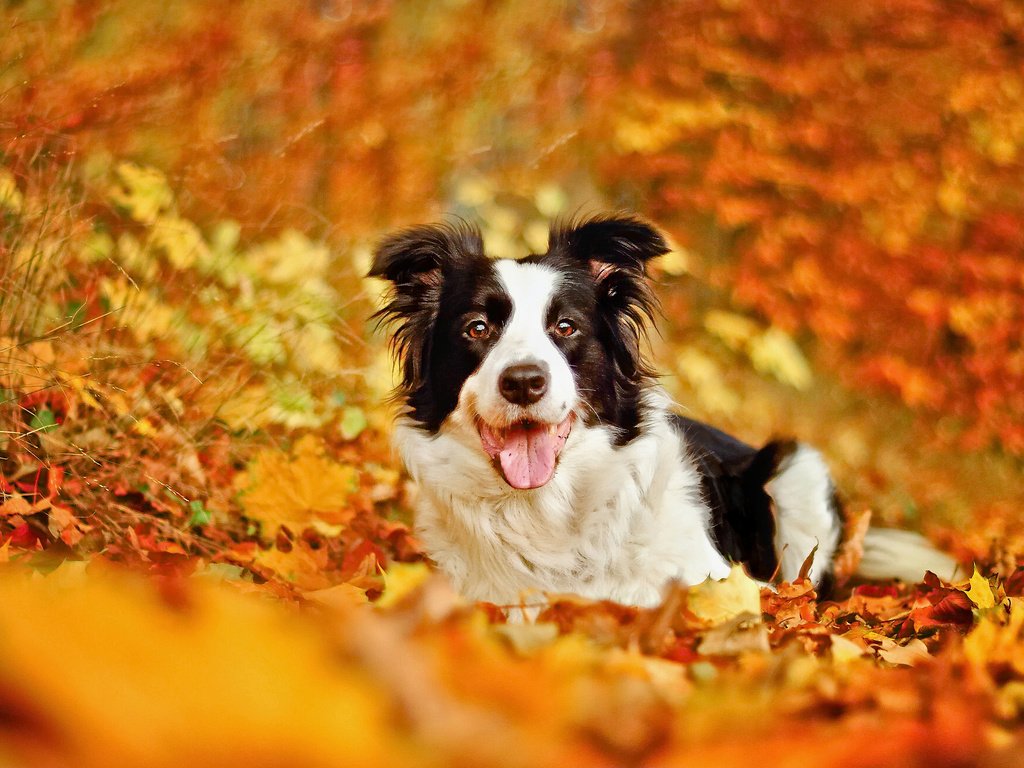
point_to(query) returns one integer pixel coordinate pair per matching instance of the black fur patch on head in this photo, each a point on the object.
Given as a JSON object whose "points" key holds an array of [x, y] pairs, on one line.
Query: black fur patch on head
{"points": [[606, 258], [415, 260], [439, 274], [440, 277]]}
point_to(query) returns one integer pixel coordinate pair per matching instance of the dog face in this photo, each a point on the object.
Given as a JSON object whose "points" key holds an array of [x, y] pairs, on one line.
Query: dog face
{"points": [[527, 349]]}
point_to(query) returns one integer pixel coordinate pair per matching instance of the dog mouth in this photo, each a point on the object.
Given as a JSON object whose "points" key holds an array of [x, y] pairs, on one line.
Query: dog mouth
{"points": [[525, 452]]}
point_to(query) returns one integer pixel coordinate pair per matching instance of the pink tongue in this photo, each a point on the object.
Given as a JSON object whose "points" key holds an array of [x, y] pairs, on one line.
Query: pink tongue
{"points": [[528, 455]]}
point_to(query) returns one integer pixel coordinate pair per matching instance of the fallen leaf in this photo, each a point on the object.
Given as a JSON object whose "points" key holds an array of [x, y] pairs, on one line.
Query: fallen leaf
{"points": [[743, 633], [297, 489], [720, 601], [852, 548], [338, 597], [980, 592], [844, 650], [15, 505], [400, 581], [911, 653]]}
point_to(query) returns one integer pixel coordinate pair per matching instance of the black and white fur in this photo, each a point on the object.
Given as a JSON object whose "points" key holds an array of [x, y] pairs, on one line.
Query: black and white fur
{"points": [[545, 353]]}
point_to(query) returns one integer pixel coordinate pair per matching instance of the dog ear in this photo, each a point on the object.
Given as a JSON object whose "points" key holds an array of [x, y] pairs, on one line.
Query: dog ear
{"points": [[610, 243], [413, 260], [418, 253], [615, 249]]}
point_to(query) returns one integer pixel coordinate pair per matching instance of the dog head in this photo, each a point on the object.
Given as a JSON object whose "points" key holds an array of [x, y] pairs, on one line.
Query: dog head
{"points": [[526, 348]]}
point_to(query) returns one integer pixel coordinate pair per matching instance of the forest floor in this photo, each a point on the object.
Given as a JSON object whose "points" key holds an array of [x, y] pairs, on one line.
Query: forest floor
{"points": [[209, 555]]}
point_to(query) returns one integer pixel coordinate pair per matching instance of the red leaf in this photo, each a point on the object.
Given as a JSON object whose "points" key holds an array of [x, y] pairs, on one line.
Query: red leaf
{"points": [[946, 607]]}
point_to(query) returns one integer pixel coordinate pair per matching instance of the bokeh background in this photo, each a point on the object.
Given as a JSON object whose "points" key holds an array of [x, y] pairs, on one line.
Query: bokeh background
{"points": [[842, 185], [190, 193]]}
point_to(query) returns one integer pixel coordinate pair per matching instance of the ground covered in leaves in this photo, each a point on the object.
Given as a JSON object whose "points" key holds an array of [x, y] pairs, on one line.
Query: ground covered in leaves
{"points": [[206, 544]]}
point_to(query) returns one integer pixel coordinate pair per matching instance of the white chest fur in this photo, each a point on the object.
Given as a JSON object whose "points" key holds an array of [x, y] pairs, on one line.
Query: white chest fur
{"points": [[614, 523]]}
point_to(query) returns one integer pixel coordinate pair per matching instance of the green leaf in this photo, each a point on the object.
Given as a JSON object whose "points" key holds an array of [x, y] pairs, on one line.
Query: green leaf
{"points": [[353, 422], [200, 514], [43, 421]]}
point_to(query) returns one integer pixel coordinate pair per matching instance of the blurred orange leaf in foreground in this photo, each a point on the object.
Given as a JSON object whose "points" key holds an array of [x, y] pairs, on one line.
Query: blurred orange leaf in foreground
{"points": [[103, 670]]}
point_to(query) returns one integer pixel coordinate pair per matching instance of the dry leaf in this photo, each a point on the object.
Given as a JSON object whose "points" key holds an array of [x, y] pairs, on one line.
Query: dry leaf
{"points": [[720, 601], [297, 489]]}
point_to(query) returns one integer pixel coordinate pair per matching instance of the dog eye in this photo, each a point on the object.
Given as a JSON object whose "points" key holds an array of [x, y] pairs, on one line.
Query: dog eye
{"points": [[478, 329], [565, 327]]}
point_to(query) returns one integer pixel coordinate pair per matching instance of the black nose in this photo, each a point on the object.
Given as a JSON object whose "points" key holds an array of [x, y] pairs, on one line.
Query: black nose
{"points": [[523, 384]]}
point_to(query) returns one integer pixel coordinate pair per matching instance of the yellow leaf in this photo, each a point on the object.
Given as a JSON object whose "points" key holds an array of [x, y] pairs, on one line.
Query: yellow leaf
{"points": [[247, 408], [143, 427], [142, 192], [998, 638], [776, 354], [179, 240], [474, 192], [10, 196], [845, 651], [980, 592], [292, 259], [353, 422], [313, 348], [303, 566], [535, 235], [297, 489], [401, 580], [550, 200], [676, 262], [735, 331], [719, 601], [704, 376]]}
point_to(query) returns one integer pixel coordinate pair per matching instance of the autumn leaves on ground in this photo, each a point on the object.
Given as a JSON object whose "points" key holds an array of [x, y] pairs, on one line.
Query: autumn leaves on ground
{"points": [[206, 539]]}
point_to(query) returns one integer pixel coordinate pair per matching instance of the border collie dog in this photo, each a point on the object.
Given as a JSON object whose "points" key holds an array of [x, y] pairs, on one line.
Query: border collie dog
{"points": [[547, 457]]}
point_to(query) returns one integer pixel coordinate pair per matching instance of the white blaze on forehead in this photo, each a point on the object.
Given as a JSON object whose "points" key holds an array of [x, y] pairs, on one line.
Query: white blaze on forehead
{"points": [[530, 287], [524, 338]]}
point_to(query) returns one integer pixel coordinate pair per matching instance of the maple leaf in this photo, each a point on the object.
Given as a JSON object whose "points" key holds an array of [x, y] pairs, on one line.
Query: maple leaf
{"points": [[980, 592], [297, 489], [299, 564], [998, 639]]}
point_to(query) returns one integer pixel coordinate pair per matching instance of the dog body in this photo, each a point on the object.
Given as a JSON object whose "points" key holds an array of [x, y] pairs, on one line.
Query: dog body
{"points": [[614, 522], [547, 458]]}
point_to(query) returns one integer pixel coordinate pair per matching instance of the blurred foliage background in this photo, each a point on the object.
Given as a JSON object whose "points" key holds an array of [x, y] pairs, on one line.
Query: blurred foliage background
{"points": [[189, 197], [839, 181]]}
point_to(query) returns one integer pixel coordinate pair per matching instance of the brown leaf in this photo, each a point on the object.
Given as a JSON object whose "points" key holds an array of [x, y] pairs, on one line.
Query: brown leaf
{"points": [[15, 505], [852, 549]]}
